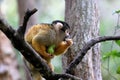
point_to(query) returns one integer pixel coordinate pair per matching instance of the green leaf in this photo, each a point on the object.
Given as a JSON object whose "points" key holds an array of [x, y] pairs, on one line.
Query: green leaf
{"points": [[118, 11], [51, 49], [118, 70], [117, 42], [105, 56], [113, 53], [117, 54]]}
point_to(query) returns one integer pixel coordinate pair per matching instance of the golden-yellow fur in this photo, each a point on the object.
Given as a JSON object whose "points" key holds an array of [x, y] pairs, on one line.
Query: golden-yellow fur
{"points": [[41, 36]]}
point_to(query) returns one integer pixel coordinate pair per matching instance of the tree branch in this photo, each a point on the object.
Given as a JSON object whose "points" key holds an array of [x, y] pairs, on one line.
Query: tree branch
{"points": [[66, 76], [85, 49], [28, 14], [17, 39]]}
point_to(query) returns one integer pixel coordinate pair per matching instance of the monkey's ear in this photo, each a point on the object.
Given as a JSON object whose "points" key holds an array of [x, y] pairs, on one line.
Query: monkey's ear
{"points": [[59, 25]]}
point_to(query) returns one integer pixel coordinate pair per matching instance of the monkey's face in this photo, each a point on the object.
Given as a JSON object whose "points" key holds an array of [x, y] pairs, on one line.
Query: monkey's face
{"points": [[62, 28]]}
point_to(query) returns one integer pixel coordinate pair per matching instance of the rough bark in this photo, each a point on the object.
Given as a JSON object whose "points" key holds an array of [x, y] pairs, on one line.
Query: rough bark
{"points": [[82, 16], [9, 68]]}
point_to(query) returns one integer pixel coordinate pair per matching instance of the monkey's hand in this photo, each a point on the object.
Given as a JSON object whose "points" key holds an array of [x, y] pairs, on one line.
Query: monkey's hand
{"points": [[69, 42], [50, 55], [47, 57], [63, 47]]}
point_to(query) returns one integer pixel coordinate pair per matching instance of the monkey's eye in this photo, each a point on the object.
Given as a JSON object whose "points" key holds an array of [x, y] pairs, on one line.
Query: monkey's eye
{"points": [[67, 31]]}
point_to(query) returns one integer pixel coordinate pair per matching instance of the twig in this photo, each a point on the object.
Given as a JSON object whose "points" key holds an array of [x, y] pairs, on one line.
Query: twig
{"points": [[85, 48], [28, 14], [66, 76]]}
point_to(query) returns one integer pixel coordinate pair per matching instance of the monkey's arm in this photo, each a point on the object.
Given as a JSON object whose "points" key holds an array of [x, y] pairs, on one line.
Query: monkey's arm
{"points": [[63, 46], [41, 49]]}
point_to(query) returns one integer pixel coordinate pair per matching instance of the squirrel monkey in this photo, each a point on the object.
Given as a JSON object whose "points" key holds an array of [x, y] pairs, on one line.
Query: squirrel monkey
{"points": [[42, 36]]}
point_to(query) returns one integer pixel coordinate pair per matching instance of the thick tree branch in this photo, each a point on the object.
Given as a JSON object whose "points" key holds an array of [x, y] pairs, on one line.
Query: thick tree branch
{"points": [[28, 14], [17, 39], [85, 49]]}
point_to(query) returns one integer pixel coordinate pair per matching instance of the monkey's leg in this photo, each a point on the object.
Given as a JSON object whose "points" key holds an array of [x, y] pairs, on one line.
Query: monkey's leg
{"points": [[41, 49], [63, 46], [51, 66], [36, 75]]}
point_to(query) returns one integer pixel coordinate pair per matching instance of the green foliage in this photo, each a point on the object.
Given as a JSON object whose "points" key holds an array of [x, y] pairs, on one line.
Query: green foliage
{"points": [[118, 70], [10, 12], [117, 42], [113, 53], [118, 11]]}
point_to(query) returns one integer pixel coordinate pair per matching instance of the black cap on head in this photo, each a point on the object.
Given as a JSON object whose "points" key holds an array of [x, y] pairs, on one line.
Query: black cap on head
{"points": [[65, 25]]}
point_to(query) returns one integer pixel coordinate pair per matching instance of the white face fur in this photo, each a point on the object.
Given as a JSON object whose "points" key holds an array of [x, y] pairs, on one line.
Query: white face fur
{"points": [[58, 26]]}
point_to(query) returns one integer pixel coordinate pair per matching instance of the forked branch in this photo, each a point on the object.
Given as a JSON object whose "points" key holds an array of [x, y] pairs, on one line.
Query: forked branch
{"points": [[85, 49], [17, 39]]}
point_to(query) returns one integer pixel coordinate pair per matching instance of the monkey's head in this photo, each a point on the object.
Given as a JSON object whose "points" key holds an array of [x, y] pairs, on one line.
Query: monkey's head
{"points": [[62, 27]]}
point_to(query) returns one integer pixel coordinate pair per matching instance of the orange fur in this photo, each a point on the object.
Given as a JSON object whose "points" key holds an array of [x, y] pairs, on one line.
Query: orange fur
{"points": [[43, 35], [63, 46]]}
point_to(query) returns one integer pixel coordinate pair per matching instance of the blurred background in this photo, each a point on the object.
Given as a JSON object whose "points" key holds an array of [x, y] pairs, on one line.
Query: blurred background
{"points": [[54, 10]]}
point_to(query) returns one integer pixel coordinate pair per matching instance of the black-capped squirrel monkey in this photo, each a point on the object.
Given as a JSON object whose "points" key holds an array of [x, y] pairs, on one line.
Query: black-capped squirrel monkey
{"points": [[41, 36]]}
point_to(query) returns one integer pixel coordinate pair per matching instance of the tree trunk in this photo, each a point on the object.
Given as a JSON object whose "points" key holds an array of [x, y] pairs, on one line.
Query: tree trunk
{"points": [[8, 63], [82, 16], [9, 68]]}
